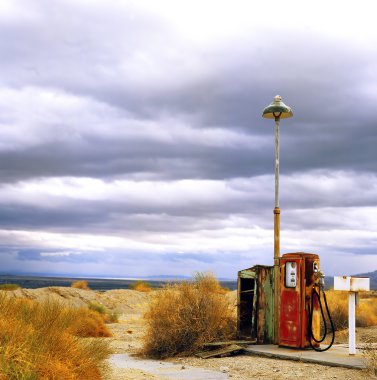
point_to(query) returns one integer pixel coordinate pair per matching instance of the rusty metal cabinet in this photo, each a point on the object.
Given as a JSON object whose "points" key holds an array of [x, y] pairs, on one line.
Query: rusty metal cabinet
{"points": [[255, 304]]}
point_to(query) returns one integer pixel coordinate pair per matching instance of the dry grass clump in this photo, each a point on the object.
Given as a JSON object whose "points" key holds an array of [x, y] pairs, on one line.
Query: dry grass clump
{"points": [[108, 316], [95, 306], [366, 311], [182, 317], [112, 317], [81, 284], [370, 358], [369, 294], [209, 281], [141, 286], [89, 323], [9, 287], [338, 305], [40, 341]]}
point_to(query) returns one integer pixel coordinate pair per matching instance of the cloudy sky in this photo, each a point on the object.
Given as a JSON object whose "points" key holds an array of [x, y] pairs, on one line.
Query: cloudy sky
{"points": [[132, 142]]}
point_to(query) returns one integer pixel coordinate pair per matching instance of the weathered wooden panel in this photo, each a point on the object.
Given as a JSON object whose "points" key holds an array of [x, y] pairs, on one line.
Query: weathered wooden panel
{"points": [[247, 273], [228, 343], [224, 351], [265, 327]]}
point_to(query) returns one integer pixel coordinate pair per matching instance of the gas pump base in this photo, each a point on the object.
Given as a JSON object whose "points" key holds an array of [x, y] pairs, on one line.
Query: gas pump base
{"points": [[338, 356]]}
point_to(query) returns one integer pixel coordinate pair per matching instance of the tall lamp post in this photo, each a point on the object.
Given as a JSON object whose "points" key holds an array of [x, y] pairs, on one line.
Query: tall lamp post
{"points": [[277, 110]]}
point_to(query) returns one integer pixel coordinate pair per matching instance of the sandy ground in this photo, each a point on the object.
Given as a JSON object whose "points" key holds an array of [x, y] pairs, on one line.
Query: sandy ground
{"points": [[127, 335], [237, 367], [127, 339]]}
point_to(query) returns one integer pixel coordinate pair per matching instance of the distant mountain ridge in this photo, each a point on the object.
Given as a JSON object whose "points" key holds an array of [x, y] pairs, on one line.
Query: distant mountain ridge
{"points": [[40, 280]]}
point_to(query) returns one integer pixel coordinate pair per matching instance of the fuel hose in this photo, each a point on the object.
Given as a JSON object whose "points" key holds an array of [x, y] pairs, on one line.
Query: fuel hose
{"points": [[311, 336]]}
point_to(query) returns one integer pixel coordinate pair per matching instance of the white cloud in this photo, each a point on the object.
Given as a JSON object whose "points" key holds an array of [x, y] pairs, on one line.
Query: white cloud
{"points": [[59, 253]]}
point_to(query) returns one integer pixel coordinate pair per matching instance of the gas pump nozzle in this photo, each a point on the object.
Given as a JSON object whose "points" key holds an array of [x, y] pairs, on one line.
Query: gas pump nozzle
{"points": [[320, 278], [320, 281], [319, 275]]}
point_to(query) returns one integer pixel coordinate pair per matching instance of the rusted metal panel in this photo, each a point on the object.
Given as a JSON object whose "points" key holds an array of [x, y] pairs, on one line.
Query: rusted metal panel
{"points": [[295, 300], [290, 307]]}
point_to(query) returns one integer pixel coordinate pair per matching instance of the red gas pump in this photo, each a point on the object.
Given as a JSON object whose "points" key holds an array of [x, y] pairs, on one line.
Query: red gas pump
{"points": [[300, 302]]}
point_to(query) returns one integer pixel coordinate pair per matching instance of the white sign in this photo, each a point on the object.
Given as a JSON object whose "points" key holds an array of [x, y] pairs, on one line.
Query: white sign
{"points": [[351, 284]]}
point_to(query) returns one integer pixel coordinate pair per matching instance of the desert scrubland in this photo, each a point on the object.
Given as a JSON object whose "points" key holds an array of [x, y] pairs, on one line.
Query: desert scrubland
{"points": [[89, 335]]}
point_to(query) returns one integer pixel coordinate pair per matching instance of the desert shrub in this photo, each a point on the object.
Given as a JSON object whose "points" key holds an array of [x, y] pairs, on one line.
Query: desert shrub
{"points": [[108, 316], [89, 323], [95, 306], [182, 317], [112, 317], [369, 294], [9, 287], [81, 284], [141, 286], [338, 305], [366, 311], [224, 290], [38, 341], [209, 281]]}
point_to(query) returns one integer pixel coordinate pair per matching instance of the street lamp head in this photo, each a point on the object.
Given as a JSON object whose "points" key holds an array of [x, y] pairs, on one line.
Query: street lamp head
{"points": [[277, 110]]}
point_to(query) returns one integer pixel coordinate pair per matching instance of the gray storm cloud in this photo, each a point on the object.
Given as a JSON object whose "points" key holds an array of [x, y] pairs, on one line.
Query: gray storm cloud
{"points": [[115, 122]]}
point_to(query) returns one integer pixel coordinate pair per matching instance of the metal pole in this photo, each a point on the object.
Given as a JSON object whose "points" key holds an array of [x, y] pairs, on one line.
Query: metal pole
{"points": [[277, 121], [351, 322], [276, 237]]}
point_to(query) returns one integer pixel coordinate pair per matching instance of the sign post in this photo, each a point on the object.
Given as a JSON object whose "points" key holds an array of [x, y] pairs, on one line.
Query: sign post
{"points": [[352, 322], [353, 285]]}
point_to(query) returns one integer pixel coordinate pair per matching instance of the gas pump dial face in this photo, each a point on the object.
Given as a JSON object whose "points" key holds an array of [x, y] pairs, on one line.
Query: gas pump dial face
{"points": [[290, 274]]}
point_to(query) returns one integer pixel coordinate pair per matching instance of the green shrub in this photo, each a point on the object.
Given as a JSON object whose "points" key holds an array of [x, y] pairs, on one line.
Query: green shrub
{"points": [[95, 306], [108, 316]]}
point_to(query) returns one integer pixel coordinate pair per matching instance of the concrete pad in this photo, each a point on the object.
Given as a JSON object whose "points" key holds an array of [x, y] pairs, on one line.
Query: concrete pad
{"points": [[165, 369], [336, 356]]}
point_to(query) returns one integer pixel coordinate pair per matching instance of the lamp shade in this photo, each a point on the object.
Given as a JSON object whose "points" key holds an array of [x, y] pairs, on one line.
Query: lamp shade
{"points": [[277, 109]]}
